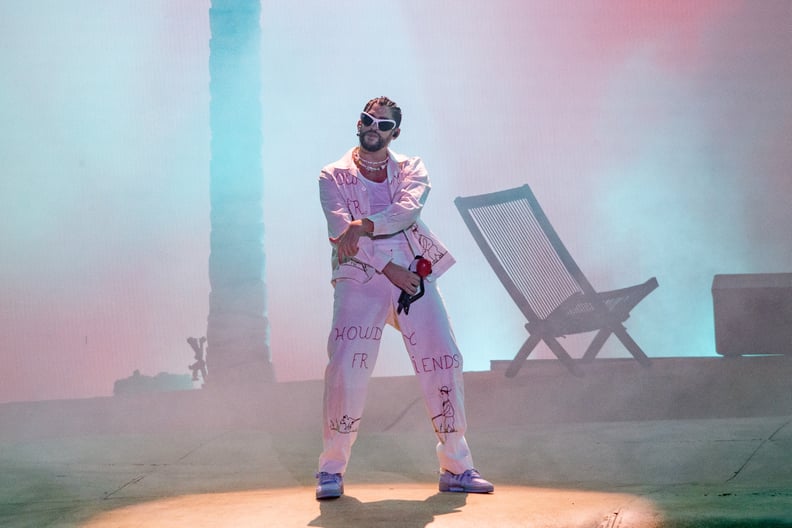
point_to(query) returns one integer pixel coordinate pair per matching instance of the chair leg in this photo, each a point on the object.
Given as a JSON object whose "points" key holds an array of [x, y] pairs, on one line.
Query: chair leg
{"points": [[563, 356], [630, 344], [596, 344], [522, 355]]}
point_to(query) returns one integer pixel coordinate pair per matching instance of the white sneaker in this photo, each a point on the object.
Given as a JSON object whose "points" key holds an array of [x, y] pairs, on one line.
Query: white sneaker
{"points": [[330, 486], [470, 481]]}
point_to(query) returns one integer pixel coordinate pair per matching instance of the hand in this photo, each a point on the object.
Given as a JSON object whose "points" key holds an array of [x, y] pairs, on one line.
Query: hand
{"points": [[402, 278], [347, 241]]}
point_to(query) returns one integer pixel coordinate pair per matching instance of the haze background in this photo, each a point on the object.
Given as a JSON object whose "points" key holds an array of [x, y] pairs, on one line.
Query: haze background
{"points": [[656, 135]]}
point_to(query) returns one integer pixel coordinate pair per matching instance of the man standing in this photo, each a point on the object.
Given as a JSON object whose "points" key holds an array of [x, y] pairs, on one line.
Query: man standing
{"points": [[372, 199]]}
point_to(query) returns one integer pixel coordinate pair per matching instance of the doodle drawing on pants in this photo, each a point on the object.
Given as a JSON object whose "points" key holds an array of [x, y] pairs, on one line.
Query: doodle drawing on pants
{"points": [[444, 422], [345, 425]]}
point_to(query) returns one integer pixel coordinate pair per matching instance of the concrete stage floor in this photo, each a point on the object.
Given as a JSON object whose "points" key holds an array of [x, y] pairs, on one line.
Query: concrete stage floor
{"points": [[696, 442]]}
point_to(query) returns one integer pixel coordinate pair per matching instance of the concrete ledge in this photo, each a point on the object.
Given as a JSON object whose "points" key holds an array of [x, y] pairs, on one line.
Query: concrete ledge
{"points": [[543, 392], [671, 388]]}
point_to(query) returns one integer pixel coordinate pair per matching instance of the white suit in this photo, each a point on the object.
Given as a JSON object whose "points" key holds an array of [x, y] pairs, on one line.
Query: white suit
{"points": [[365, 300]]}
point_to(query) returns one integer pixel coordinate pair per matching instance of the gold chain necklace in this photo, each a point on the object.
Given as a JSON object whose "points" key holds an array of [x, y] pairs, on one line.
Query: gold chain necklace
{"points": [[372, 166]]}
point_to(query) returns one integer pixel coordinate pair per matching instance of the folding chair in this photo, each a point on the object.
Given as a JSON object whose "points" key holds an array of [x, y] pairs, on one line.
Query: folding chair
{"points": [[543, 280]]}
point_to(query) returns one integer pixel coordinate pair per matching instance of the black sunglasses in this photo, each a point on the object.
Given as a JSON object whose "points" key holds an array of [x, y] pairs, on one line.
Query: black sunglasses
{"points": [[383, 125]]}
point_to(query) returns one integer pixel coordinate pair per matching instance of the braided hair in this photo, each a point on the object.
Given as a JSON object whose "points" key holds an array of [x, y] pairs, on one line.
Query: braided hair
{"points": [[384, 101]]}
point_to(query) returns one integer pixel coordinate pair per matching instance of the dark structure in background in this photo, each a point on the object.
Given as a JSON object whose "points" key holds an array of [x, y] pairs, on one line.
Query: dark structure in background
{"points": [[137, 383], [753, 313], [237, 327]]}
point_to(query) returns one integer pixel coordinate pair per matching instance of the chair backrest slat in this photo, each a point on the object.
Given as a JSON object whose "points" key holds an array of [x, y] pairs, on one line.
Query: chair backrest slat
{"points": [[523, 249]]}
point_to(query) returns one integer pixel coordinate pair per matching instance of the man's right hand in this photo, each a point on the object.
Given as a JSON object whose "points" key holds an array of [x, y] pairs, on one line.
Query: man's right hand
{"points": [[347, 241]]}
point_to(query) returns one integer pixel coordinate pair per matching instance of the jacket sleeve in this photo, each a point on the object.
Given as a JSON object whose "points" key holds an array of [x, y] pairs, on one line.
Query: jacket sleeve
{"points": [[338, 216], [334, 205], [409, 196]]}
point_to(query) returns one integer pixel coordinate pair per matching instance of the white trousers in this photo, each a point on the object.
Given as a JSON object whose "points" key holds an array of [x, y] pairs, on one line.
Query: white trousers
{"points": [[359, 315]]}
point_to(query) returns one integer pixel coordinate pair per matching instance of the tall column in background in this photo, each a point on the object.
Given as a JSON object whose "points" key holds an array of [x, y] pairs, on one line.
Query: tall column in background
{"points": [[238, 329]]}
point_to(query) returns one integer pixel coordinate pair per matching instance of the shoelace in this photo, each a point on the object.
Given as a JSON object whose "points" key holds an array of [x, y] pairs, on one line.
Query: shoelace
{"points": [[327, 478]]}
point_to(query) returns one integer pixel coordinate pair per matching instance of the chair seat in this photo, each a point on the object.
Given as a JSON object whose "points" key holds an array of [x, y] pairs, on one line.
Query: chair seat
{"points": [[581, 313]]}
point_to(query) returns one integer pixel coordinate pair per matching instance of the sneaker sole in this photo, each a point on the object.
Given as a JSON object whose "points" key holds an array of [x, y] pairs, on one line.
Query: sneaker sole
{"points": [[461, 489], [329, 495]]}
